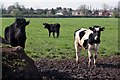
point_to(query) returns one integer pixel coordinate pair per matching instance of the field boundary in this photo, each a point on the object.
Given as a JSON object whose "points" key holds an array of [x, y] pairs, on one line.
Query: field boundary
{"points": [[38, 16]]}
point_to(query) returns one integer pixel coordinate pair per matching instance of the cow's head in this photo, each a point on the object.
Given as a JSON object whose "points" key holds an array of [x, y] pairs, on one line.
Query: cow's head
{"points": [[58, 25], [46, 25], [19, 25], [96, 31]]}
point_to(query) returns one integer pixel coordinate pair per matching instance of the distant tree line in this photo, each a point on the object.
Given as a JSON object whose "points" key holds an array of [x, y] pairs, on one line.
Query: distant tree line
{"points": [[20, 10]]}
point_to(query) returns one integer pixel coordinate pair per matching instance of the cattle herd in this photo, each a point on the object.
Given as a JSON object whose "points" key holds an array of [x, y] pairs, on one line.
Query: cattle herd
{"points": [[15, 35]]}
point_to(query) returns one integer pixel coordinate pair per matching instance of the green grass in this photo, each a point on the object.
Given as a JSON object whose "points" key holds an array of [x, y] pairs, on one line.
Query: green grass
{"points": [[38, 44]]}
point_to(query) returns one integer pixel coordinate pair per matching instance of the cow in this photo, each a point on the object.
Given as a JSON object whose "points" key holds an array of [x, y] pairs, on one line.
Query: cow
{"points": [[53, 28], [88, 39], [2, 40], [15, 33]]}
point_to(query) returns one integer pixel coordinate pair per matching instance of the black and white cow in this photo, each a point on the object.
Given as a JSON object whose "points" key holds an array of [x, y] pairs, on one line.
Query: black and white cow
{"points": [[88, 39], [15, 33], [53, 28]]}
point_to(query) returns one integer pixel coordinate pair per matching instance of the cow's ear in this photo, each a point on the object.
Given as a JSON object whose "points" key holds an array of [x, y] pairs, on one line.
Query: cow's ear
{"points": [[27, 22], [17, 19], [44, 23], [91, 28], [102, 29]]}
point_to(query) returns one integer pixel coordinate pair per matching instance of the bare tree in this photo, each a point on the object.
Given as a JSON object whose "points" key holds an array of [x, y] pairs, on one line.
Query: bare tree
{"points": [[105, 6], [119, 8], [119, 5], [16, 12], [84, 9], [10, 9], [1, 8], [23, 9], [16, 5]]}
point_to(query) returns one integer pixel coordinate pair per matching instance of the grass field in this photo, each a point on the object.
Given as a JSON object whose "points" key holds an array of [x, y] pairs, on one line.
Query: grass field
{"points": [[38, 44]]}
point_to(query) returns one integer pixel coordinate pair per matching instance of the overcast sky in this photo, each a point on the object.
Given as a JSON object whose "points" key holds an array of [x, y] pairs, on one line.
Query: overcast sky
{"points": [[74, 4]]}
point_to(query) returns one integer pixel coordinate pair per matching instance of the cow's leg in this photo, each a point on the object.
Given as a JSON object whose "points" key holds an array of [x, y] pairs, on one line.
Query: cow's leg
{"points": [[54, 34], [89, 54], [77, 49], [57, 34], [95, 53], [49, 33], [7, 34], [95, 57], [23, 45]]}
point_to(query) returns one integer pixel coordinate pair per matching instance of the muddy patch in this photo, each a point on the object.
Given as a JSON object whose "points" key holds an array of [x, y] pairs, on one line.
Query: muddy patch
{"points": [[107, 68]]}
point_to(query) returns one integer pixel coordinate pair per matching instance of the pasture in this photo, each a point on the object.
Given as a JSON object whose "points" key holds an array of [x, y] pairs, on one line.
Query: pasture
{"points": [[39, 45]]}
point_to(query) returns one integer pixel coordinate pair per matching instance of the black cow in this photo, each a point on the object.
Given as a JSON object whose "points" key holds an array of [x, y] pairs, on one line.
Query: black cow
{"points": [[2, 40], [88, 39], [53, 28], [15, 33]]}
